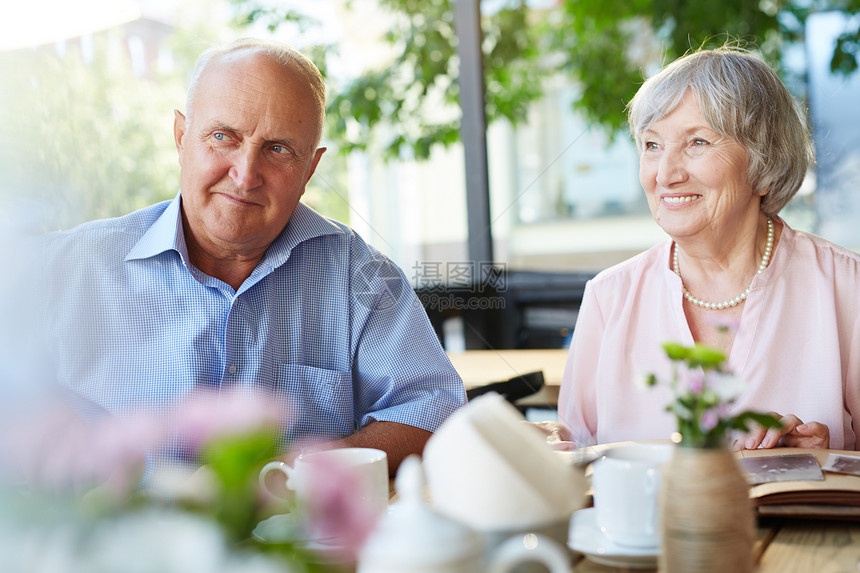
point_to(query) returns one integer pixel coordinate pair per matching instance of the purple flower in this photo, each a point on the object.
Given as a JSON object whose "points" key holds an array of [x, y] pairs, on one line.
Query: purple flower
{"points": [[695, 382], [710, 419]]}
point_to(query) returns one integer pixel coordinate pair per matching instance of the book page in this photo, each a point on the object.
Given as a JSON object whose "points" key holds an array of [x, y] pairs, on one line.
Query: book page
{"points": [[834, 489]]}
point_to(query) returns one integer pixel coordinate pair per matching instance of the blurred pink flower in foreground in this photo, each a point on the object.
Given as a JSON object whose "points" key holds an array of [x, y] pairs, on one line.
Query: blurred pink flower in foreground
{"points": [[710, 419], [55, 448], [695, 382], [208, 414], [336, 512]]}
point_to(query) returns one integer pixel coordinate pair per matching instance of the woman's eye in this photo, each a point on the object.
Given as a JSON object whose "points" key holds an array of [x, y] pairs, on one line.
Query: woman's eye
{"points": [[650, 145], [699, 142]]}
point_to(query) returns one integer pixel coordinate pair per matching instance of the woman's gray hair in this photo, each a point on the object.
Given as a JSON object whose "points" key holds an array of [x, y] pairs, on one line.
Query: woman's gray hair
{"points": [[741, 98], [283, 54]]}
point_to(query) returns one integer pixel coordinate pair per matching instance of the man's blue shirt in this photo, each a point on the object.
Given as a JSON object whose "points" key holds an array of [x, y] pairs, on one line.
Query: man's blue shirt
{"points": [[324, 321]]}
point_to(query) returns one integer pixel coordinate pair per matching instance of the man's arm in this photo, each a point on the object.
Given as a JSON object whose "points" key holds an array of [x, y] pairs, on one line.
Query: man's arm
{"points": [[397, 440]]}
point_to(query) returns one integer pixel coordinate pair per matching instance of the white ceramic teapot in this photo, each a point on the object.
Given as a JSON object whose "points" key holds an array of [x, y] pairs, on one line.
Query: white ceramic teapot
{"points": [[413, 537]]}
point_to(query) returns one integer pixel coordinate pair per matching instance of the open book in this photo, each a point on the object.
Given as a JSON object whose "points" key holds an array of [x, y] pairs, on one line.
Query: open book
{"points": [[800, 487]]}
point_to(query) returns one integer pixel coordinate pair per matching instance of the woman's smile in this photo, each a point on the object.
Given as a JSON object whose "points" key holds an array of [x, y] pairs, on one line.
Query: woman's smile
{"points": [[679, 199]]}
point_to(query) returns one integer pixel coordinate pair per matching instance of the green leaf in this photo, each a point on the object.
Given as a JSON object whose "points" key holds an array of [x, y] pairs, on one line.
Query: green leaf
{"points": [[741, 421], [676, 351], [705, 356]]}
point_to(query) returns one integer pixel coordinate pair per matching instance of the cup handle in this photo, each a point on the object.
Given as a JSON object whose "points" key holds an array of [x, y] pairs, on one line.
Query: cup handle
{"points": [[277, 467], [513, 552]]}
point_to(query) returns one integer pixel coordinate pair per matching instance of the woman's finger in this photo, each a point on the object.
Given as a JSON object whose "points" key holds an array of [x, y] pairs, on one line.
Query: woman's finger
{"points": [[754, 438], [809, 435], [774, 435]]}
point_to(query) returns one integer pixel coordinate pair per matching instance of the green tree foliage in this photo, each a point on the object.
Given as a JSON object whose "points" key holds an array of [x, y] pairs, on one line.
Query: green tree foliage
{"points": [[91, 139], [594, 42], [85, 138]]}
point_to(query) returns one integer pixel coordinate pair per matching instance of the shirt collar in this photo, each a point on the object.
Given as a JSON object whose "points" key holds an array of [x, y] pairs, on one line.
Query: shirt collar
{"points": [[166, 234], [305, 224]]}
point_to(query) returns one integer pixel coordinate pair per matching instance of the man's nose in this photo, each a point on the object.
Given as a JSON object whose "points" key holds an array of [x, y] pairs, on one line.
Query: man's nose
{"points": [[672, 168], [245, 170]]}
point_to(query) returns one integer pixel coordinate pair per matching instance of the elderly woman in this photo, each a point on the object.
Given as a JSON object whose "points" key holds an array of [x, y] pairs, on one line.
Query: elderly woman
{"points": [[722, 148]]}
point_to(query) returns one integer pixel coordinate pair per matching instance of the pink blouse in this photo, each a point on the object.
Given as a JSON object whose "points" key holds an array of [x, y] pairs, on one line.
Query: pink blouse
{"points": [[797, 345]]}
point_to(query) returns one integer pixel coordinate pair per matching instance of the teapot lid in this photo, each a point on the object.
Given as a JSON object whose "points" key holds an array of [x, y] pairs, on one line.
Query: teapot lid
{"points": [[414, 533]]}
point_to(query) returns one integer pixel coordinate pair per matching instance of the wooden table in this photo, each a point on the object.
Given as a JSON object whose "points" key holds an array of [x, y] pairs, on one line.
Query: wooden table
{"points": [[783, 545], [786, 546], [481, 367]]}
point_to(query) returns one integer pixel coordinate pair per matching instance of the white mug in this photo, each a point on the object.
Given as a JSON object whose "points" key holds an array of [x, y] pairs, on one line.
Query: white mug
{"points": [[626, 483], [368, 468]]}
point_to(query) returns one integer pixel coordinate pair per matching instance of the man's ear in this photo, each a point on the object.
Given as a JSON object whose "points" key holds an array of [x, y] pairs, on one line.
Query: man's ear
{"points": [[178, 131], [317, 156]]}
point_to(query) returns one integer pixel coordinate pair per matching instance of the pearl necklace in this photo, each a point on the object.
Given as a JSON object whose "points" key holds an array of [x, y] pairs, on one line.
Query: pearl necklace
{"points": [[768, 247]]}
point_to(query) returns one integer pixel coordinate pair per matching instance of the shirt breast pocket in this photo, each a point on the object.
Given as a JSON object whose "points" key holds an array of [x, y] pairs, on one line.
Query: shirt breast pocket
{"points": [[321, 401]]}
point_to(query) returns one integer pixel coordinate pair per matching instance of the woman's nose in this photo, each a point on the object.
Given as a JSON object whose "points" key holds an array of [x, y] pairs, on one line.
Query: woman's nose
{"points": [[245, 170], [672, 168]]}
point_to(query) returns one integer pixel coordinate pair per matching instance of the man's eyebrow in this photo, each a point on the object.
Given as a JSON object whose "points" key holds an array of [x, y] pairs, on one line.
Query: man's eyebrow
{"points": [[220, 126], [285, 142]]}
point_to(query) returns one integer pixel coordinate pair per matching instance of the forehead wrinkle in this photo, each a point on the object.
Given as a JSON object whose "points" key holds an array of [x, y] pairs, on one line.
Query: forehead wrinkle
{"points": [[252, 106]]}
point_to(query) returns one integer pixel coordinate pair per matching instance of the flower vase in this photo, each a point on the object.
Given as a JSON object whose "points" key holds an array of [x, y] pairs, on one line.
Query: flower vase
{"points": [[707, 519]]}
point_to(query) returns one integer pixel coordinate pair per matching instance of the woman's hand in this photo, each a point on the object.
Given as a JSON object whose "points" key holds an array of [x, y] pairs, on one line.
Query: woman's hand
{"points": [[794, 433], [558, 436]]}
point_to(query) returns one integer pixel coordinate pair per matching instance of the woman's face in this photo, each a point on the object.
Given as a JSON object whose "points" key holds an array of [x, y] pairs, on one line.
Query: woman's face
{"points": [[694, 178]]}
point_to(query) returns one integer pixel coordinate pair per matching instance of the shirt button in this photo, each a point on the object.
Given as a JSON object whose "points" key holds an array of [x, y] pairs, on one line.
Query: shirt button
{"points": [[232, 369]]}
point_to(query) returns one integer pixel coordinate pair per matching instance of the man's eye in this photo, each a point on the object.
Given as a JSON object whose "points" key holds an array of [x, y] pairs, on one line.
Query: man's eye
{"points": [[220, 136], [281, 149]]}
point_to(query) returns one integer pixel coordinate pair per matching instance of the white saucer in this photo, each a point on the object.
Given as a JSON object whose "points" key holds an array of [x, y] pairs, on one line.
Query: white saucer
{"points": [[283, 527], [585, 537], [278, 528]]}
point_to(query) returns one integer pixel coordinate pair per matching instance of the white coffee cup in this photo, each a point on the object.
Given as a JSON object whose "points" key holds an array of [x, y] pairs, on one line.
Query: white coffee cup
{"points": [[626, 483], [368, 469]]}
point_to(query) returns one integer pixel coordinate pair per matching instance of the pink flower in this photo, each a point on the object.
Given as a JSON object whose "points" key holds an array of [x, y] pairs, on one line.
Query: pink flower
{"points": [[336, 511], [56, 449], [710, 419], [209, 414], [695, 382]]}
